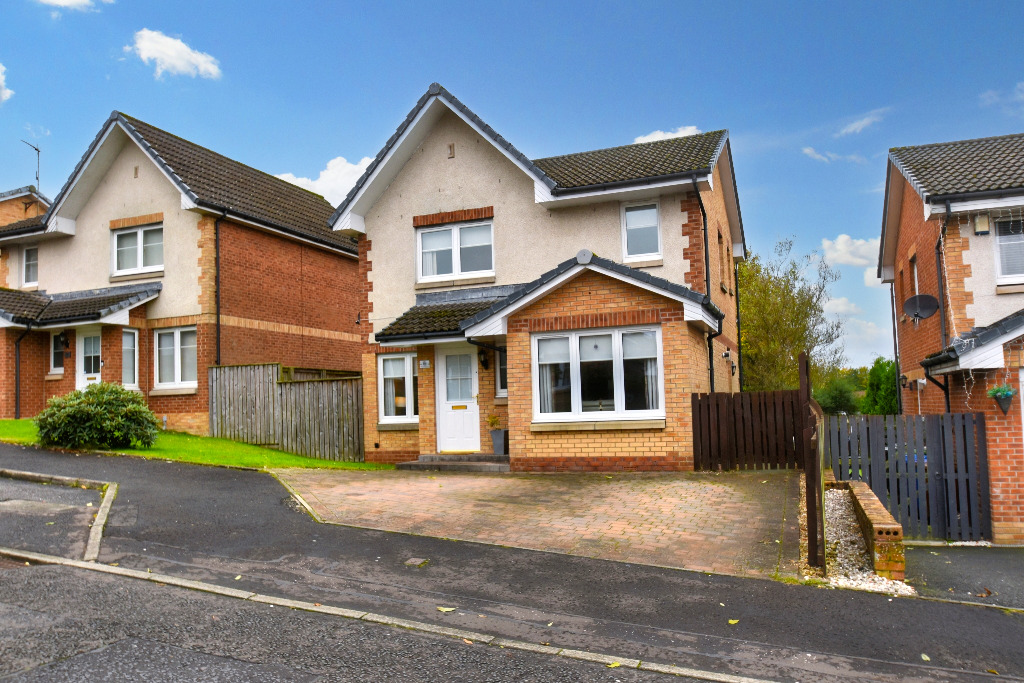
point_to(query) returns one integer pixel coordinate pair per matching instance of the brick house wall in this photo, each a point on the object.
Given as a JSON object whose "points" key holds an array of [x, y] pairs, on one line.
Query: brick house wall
{"points": [[17, 209]]}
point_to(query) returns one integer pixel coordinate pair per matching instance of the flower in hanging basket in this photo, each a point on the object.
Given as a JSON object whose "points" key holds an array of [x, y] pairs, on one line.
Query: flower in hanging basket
{"points": [[1002, 391]]}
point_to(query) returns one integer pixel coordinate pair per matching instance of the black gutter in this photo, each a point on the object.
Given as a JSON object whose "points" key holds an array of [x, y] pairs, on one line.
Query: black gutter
{"points": [[739, 332], [421, 335], [17, 232], [707, 288], [980, 194], [896, 351], [17, 363], [638, 182], [216, 278]]}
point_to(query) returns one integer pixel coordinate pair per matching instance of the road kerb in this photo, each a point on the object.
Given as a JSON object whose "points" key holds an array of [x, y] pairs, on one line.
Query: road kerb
{"points": [[92, 548], [370, 617]]}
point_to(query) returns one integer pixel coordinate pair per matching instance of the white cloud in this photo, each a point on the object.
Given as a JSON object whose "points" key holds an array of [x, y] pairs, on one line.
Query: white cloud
{"points": [[861, 124], [37, 131], [845, 250], [871, 278], [1011, 102], [172, 56], [77, 5], [842, 306], [680, 132], [334, 181], [5, 92], [828, 157]]}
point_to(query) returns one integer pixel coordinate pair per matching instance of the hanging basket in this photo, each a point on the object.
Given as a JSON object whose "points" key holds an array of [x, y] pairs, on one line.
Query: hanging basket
{"points": [[1004, 402]]}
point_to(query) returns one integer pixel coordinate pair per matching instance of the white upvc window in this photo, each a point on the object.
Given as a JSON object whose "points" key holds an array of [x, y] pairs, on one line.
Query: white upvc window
{"points": [[1010, 251], [130, 358], [454, 251], [176, 360], [137, 250], [501, 373], [604, 374], [398, 392], [641, 231], [57, 353], [30, 266]]}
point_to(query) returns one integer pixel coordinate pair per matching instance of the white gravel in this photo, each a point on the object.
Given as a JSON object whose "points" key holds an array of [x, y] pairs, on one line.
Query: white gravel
{"points": [[846, 555]]}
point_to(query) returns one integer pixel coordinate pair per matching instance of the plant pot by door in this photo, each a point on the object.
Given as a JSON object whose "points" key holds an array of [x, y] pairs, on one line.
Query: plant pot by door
{"points": [[499, 441], [1004, 402]]}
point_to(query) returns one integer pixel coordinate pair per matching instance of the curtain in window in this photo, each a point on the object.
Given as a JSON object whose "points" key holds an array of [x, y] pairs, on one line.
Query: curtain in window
{"points": [[641, 230], [394, 386], [553, 375], [153, 247], [475, 248], [128, 376], [640, 370], [1011, 247], [127, 251], [597, 373], [437, 252]]}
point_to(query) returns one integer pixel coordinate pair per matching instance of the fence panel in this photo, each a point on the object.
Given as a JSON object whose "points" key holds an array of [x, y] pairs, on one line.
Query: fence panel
{"points": [[747, 431], [321, 418], [929, 471]]}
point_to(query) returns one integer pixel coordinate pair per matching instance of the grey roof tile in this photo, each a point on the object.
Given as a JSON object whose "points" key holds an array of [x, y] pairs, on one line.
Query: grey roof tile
{"points": [[433, 320], [24, 225], [963, 166], [40, 308]]}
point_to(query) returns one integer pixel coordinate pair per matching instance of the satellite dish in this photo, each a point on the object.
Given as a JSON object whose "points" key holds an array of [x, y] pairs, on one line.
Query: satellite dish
{"points": [[921, 306]]}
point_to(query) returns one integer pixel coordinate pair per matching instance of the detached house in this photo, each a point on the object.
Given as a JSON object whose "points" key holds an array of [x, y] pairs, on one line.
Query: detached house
{"points": [[160, 258], [953, 232], [578, 299]]}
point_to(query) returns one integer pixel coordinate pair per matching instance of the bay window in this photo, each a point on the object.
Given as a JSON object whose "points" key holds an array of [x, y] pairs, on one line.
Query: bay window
{"points": [[176, 364], [455, 251], [398, 399], [138, 250], [598, 375]]}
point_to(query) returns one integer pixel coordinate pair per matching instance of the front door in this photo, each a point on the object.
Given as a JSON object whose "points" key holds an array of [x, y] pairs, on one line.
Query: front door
{"points": [[87, 357], [458, 414]]}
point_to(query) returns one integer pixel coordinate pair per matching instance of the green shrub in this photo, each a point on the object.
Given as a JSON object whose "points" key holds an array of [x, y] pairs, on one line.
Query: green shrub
{"points": [[102, 416]]}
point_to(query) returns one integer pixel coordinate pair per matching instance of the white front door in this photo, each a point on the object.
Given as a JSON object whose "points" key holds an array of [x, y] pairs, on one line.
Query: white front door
{"points": [[88, 360], [458, 414]]}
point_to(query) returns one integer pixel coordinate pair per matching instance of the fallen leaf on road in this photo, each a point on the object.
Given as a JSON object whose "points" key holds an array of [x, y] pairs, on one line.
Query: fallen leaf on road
{"points": [[238, 577], [445, 609], [467, 641], [613, 664], [925, 657], [733, 622], [721, 604], [765, 481], [316, 604], [115, 564], [933, 552], [983, 595], [992, 671], [88, 505], [551, 623], [50, 523]]}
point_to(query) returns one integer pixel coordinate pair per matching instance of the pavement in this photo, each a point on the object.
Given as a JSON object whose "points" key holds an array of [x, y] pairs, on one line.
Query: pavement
{"points": [[242, 530], [736, 523], [986, 575], [57, 518]]}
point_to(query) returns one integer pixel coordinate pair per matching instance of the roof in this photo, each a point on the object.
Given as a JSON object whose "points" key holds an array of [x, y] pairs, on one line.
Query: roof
{"points": [[977, 338], [629, 164], [642, 161], [39, 308], [21, 191], [982, 165], [436, 320], [24, 225], [217, 183]]}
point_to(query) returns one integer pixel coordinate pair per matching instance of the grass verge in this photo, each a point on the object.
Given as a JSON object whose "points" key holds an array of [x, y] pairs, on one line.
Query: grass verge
{"points": [[200, 450]]}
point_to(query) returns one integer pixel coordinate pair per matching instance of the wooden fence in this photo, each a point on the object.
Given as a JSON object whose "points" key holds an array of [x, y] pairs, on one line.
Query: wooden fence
{"points": [[930, 471], [317, 418]]}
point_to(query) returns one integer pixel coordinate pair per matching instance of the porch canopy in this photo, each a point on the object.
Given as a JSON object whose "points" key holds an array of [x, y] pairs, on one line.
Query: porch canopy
{"points": [[107, 306]]}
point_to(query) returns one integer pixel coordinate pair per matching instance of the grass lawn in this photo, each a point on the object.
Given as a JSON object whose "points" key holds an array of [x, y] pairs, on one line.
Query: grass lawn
{"points": [[200, 450]]}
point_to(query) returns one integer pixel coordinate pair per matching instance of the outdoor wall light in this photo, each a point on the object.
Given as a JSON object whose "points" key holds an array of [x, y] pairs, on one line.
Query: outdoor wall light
{"points": [[981, 226], [482, 355], [903, 381]]}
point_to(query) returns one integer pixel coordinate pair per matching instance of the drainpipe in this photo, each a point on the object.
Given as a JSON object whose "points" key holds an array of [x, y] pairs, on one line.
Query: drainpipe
{"points": [[942, 304], [17, 363], [896, 351], [216, 285], [739, 329], [707, 286]]}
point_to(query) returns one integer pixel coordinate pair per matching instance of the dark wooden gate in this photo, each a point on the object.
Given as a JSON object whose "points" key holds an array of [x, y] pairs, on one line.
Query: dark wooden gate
{"points": [[930, 471]]}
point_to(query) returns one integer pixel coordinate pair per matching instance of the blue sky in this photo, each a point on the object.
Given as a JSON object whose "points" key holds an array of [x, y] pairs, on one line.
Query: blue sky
{"points": [[813, 94]]}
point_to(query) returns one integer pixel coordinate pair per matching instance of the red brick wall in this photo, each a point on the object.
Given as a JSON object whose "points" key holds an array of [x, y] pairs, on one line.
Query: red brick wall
{"points": [[19, 208]]}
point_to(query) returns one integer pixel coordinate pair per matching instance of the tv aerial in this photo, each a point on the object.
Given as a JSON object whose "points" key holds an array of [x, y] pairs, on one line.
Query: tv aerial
{"points": [[920, 307], [37, 162]]}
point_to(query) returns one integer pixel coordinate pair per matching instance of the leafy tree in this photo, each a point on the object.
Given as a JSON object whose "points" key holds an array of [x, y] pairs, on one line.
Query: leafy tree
{"points": [[857, 377], [837, 397], [782, 313], [880, 397]]}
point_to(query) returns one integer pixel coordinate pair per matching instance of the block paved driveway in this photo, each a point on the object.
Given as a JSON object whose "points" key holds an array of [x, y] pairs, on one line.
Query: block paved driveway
{"points": [[739, 523]]}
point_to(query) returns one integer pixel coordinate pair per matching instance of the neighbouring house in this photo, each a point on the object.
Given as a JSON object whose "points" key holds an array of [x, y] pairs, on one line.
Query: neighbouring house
{"points": [[953, 230], [577, 299], [160, 258]]}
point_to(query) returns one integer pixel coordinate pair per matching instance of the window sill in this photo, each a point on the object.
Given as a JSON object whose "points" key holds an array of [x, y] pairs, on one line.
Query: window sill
{"points": [[646, 263], [398, 426], [53, 377], [1010, 289], [136, 276], [501, 400], [174, 391], [457, 282], [30, 288], [596, 426]]}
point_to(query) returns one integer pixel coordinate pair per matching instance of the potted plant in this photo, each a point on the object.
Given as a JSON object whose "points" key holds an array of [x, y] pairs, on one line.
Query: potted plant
{"points": [[499, 436], [1003, 394]]}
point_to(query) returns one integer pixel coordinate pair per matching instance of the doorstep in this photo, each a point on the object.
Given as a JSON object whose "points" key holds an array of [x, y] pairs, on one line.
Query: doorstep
{"points": [[471, 462]]}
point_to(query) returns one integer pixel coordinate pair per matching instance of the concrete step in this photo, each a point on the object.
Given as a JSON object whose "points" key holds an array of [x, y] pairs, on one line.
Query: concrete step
{"points": [[454, 466], [469, 457]]}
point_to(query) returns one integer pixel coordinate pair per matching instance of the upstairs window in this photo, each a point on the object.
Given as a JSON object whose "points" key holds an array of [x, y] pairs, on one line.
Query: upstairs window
{"points": [[456, 251], [1010, 244], [139, 250], [30, 270], [641, 233]]}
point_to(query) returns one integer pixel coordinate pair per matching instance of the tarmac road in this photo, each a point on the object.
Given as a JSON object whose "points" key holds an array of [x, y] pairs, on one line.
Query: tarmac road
{"points": [[213, 524]]}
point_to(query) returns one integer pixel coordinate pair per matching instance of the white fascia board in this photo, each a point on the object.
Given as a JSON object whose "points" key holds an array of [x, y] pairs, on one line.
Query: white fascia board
{"points": [[890, 230], [4, 322], [987, 357], [422, 341], [85, 167], [974, 205], [543, 196], [62, 224]]}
